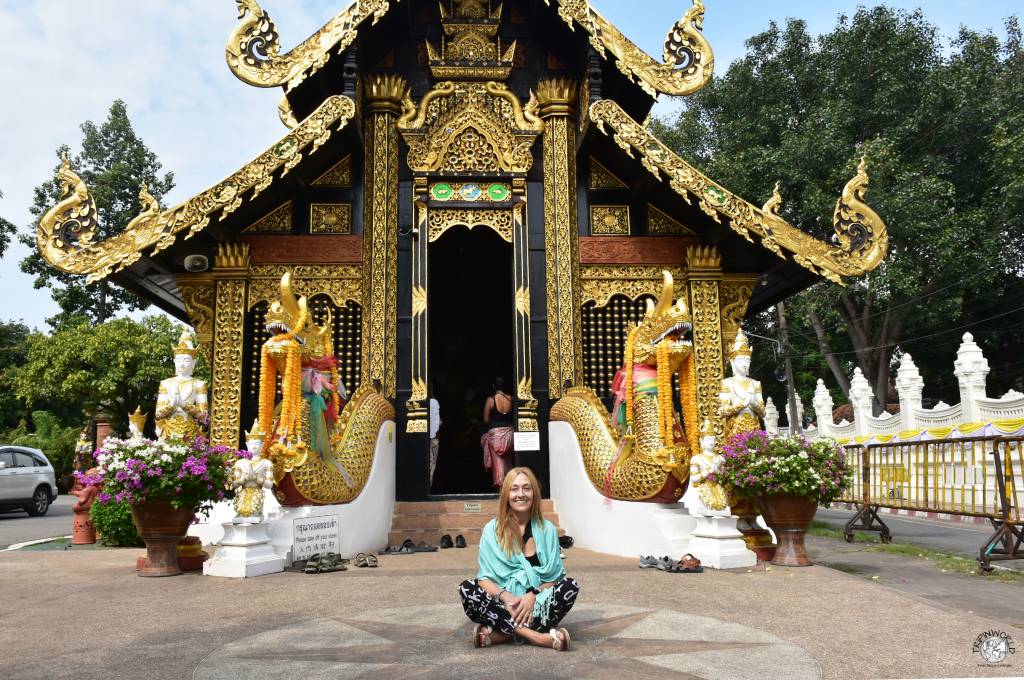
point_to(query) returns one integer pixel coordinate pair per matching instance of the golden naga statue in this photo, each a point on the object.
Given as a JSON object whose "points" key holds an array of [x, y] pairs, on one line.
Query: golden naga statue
{"points": [[645, 454], [181, 405], [321, 453]]}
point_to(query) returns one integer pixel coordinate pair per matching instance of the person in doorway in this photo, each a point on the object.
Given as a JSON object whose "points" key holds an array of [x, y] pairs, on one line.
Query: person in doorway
{"points": [[497, 441], [521, 589], [434, 417]]}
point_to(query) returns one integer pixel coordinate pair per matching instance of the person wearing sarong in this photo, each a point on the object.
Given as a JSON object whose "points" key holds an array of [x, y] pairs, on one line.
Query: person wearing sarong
{"points": [[520, 589], [497, 441]]}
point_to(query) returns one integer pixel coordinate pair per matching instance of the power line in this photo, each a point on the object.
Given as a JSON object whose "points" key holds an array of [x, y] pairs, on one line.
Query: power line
{"points": [[910, 340]]}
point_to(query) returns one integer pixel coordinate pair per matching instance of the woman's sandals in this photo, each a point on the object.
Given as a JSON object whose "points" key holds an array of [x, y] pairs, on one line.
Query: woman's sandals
{"points": [[560, 639], [366, 560], [481, 636]]}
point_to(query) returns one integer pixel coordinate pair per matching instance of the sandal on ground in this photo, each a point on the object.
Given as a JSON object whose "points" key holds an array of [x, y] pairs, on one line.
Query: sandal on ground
{"points": [[423, 547], [361, 560], [688, 565], [480, 638], [648, 562], [312, 564], [332, 562], [372, 561], [560, 643]]}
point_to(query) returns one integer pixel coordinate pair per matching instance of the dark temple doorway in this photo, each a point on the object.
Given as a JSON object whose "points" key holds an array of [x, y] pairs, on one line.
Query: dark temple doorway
{"points": [[471, 341]]}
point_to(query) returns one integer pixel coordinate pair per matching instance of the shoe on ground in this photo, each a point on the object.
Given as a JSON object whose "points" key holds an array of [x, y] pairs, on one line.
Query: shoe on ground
{"points": [[446, 542], [422, 546], [565, 541], [648, 562], [460, 542]]}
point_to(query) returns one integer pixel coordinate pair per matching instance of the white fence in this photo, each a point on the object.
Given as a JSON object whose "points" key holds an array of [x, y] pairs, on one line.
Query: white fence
{"points": [[975, 407]]}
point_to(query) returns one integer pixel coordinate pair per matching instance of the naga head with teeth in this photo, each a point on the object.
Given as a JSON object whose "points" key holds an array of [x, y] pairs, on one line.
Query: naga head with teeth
{"points": [[289, 315], [664, 322]]}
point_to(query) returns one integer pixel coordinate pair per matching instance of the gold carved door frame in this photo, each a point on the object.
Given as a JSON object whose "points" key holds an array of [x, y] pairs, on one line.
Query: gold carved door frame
{"points": [[431, 221]]}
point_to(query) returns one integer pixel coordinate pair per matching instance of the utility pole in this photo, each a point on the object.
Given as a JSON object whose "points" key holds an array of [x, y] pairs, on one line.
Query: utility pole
{"points": [[795, 426]]}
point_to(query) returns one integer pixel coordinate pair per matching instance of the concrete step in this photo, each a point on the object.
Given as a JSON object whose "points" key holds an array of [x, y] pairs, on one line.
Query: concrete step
{"points": [[429, 521]]}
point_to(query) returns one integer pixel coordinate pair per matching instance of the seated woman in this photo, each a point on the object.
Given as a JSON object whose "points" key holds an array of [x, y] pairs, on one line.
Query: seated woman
{"points": [[521, 588]]}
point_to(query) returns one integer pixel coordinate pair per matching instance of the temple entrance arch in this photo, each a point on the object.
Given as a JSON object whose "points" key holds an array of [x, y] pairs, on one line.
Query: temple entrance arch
{"points": [[471, 339]]}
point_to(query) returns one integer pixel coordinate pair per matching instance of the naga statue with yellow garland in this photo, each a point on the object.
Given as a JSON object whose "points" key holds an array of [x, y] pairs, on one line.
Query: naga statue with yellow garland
{"points": [[644, 453], [321, 453]]}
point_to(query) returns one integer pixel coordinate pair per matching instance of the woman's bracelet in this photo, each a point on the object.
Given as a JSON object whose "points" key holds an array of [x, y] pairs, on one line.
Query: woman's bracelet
{"points": [[499, 594]]}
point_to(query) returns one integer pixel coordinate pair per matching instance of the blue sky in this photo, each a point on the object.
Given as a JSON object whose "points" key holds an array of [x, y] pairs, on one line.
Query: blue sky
{"points": [[166, 60]]}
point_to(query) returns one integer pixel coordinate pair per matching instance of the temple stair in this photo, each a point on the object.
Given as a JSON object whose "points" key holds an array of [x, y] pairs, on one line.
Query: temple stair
{"points": [[429, 521]]}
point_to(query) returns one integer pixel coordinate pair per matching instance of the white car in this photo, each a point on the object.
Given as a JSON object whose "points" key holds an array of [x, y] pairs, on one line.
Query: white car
{"points": [[27, 480]]}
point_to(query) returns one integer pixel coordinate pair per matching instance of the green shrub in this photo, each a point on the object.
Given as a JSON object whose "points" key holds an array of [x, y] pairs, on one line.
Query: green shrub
{"points": [[113, 520]]}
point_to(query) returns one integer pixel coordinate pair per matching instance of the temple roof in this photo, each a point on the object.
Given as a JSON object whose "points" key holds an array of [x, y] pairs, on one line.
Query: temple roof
{"points": [[254, 48]]}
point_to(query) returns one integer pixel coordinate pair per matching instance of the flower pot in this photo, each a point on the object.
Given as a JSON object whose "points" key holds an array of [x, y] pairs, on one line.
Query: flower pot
{"points": [[161, 527], [789, 516]]}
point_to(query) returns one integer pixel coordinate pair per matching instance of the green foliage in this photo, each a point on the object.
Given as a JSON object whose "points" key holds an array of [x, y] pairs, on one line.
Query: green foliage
{"points": [[108, 368], [113, 521], [51, 437], [113, 162], [13, 352], [941, 131]]}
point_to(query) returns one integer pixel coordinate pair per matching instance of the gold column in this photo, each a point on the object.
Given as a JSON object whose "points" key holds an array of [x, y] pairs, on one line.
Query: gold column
{"points": [[527, 402], [705, 276], [561, 233], [230, 277], [383, 100]]}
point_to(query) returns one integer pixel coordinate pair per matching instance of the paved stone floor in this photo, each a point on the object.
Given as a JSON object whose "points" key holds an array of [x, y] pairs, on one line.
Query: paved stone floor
{"points": [[85, 614]]}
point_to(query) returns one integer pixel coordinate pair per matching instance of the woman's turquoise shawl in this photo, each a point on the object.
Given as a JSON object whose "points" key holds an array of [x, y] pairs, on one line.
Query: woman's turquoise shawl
{"points": [[514, 573]]}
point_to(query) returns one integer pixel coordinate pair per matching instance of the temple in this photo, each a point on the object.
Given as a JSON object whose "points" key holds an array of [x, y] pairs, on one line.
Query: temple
{"points": [[462, 190]]}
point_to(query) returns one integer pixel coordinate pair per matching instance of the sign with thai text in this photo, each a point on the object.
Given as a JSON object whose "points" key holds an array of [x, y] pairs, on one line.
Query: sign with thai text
{"points": [[526, 441], [311, 535], [471, 507]]}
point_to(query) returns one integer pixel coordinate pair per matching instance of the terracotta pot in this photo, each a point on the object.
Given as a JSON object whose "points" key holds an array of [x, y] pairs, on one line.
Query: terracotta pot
{"points": [[161, 527], [790, 517]]}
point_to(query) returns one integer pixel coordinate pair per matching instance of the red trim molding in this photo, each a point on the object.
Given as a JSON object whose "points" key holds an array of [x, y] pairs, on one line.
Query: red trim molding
{"points": [[305, 249], [635, 249]]}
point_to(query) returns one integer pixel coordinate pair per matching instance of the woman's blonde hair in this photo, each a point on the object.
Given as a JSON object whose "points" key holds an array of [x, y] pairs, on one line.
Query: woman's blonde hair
{"points": [[509, 538]]}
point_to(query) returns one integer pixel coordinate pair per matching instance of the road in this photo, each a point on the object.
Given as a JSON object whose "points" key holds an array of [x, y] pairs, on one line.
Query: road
{"points": [[18, 527], [953, 537]]}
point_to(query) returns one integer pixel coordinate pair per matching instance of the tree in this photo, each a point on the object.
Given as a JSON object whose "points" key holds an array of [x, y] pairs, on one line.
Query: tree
{"points": [[113, 162], [7, 230], [107, 368], [943, 142], [13, 352]]}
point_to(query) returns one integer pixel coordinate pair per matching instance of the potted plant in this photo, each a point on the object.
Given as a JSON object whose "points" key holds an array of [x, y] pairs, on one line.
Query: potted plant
{"points": [[165, 484], [788, 477]]}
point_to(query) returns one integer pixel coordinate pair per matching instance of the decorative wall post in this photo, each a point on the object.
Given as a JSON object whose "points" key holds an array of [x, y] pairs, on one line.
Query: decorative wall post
{"points": [[197, 292], [860, 398], [734, 298], [823, 406], [971, 369], [799, 413], [705, 274], [909, 386], [561, 233], [771, 417], [230, 276], [383, 102]]}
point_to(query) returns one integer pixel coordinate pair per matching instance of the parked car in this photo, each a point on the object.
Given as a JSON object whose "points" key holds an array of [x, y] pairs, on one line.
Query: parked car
{"points": [[26, 480]]}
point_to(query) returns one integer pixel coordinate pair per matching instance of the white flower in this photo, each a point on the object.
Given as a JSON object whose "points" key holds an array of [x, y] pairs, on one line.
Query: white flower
{"points": [[164, 458], [803, 454]]}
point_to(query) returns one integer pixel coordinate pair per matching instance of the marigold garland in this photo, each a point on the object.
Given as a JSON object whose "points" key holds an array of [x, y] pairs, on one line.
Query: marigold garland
{"points": [[630, 346], [688, 399]]}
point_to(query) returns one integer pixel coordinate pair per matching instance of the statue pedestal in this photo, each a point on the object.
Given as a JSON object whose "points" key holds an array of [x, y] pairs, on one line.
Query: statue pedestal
{"points": [[718, 544], [244, 552]]}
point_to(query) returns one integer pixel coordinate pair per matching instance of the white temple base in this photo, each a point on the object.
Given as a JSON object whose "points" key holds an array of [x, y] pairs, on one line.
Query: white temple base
{"points": [[244, 552], [718, 544], [363, 523], [609, 526]]}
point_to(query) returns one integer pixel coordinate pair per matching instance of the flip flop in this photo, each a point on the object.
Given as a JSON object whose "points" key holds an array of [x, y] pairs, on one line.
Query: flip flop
{"points": [[560, 644], [372, 561], [481, 639], [423, 547]]}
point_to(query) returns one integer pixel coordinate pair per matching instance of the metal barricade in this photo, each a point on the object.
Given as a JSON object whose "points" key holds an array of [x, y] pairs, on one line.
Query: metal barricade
{"points": [[974, 476]]}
